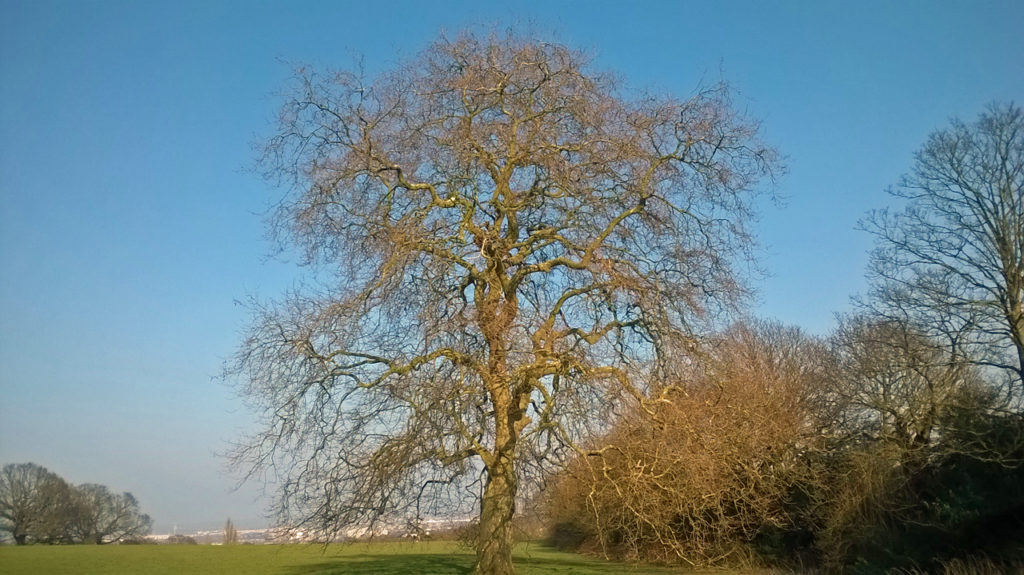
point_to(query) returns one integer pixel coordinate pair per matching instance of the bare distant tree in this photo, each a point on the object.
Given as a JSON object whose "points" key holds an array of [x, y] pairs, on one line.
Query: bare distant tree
{"points": [[105, 517], [58, 501], [230, 533], [507, 248], [905, 403], [952, 261], [31, 502], [894, 384]]}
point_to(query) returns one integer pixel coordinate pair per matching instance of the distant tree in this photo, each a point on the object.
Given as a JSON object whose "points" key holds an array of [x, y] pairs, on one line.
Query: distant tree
{"points": [[105, 517], [952, 261], [177, 539], [895, 384], [900, 398], [59, 502], [230, 533], [513, 248], [32, 502]]}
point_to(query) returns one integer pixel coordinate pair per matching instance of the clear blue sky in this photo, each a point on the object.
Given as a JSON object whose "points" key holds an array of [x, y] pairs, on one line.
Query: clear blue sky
{"points": [[129, 226]]}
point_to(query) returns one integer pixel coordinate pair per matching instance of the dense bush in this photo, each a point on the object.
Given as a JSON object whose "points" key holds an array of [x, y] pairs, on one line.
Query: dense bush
{"points": [[712, 470], [875, 452]]}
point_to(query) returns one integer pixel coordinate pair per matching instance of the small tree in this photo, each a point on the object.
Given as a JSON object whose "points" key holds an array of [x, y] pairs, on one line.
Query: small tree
{"points": [[512, 248], [230, 533]]}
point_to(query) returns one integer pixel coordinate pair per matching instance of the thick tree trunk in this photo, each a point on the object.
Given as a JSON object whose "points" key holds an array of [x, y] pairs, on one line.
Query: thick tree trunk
{"points": [[498, 503], [497, 507]]}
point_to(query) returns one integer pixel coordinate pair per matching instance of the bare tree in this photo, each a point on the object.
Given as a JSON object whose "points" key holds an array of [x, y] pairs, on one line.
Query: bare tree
{"points": [[58, 501], [230, 533], [953, 260], [507, 247], [894, 384], [105, 517], [31, 500], [906, 409]]}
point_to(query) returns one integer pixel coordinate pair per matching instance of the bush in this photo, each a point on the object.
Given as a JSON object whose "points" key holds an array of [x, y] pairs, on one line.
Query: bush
{"points": [[711, 472], [181, 540]]}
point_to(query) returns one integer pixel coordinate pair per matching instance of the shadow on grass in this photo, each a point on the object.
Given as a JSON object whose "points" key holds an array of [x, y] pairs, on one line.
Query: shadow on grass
{"points": [[526, 563], [403, 564], [572, 564]]}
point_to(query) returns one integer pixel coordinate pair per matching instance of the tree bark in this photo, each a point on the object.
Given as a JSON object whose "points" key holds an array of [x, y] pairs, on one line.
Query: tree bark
{"points": [[497, 507], [1015, 319]]}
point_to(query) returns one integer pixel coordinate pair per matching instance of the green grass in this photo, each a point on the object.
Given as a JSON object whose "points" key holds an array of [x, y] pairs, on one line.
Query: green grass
{"points": [[405, 558]]}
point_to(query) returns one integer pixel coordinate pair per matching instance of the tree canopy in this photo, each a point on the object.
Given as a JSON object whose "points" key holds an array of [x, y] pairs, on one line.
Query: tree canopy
{"points": [[38, 506], [508, 246], [952, 261], [30, 497]]}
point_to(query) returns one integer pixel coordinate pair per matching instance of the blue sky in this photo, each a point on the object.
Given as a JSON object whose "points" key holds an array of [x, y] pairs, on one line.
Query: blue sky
{"points": [[129, 225]]}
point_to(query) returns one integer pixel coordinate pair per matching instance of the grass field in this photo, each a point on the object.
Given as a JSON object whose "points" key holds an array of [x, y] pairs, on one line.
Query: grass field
{"points": [[385, 558]]}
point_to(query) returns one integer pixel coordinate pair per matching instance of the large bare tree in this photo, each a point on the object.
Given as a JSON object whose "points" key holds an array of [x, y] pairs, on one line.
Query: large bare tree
{"points": [[506, 246], [952, 261]]}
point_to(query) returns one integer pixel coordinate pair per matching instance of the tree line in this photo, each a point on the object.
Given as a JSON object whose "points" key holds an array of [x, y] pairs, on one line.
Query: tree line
{"points": [[525, 280], [866, 449], [895, 442], [38, 506]]}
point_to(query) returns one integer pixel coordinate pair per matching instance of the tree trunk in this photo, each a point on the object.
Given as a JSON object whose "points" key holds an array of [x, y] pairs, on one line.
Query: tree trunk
{"points": [[1013, 310], [1017, 335], [497, 507]]}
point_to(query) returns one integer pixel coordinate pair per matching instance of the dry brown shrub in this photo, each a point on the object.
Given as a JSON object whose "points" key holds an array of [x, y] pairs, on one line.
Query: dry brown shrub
{"points": [[712, 463]]}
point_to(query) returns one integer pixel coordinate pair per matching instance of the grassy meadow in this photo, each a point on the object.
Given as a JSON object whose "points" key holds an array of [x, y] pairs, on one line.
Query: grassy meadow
{"points": [[382, 558]]}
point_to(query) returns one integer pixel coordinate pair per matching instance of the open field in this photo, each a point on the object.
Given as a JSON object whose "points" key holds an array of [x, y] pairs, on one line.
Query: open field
{"points": [[385, 558]]}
